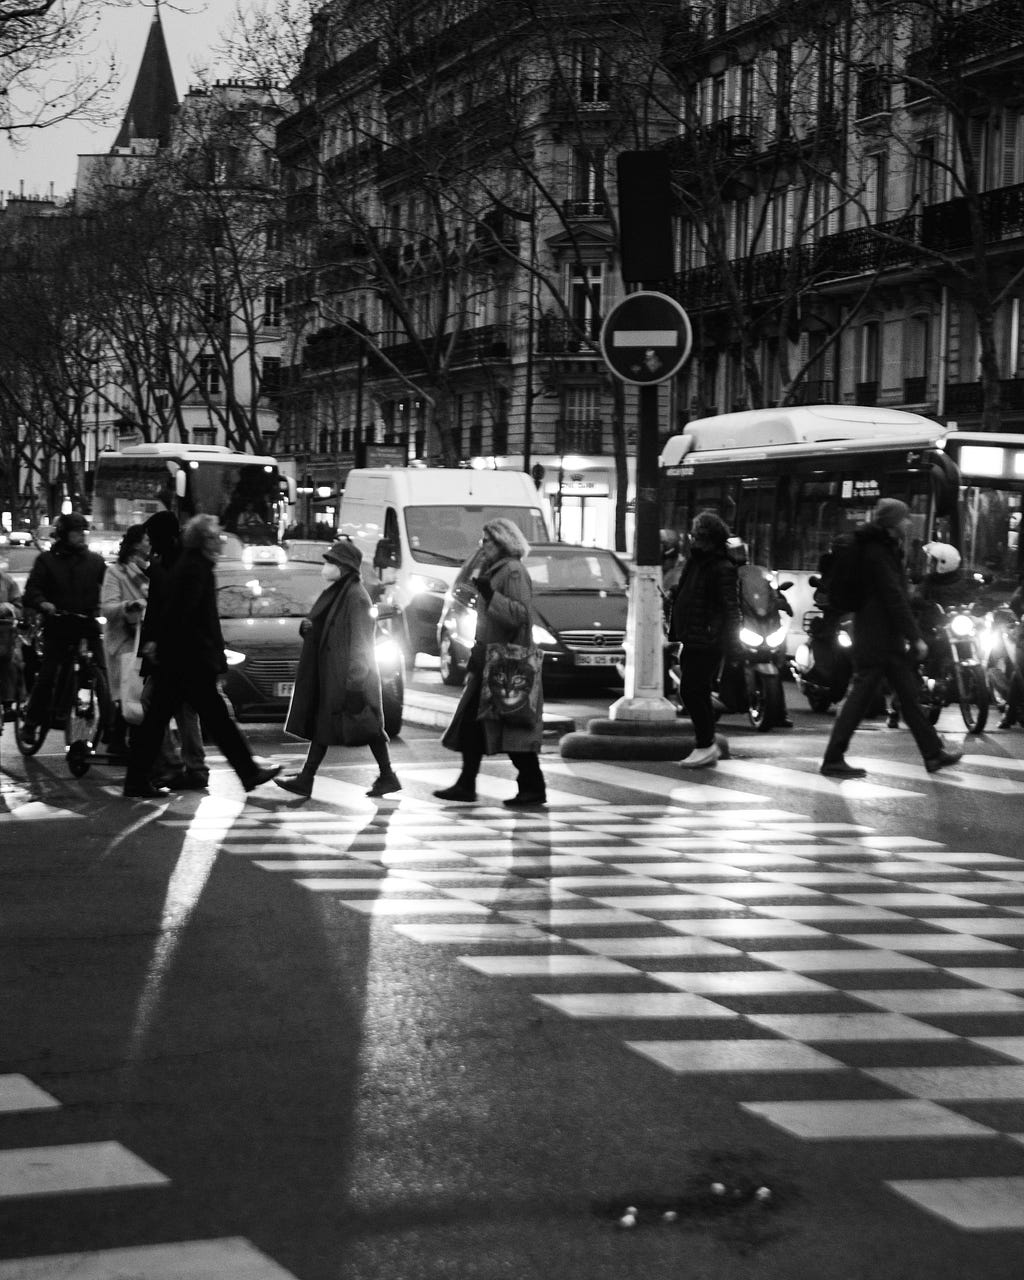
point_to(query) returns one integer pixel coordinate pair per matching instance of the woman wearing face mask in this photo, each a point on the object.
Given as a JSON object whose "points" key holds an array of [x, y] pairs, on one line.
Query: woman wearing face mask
{"points": [[337, 673]]}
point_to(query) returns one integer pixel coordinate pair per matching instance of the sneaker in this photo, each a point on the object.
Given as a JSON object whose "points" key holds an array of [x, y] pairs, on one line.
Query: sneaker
{"points": [[28, 733], [297, 784], [892, 720], [840, 769], [385, 785], [1009, 720], [266, 774], [701, 757], [145, 791], [945, 757]]}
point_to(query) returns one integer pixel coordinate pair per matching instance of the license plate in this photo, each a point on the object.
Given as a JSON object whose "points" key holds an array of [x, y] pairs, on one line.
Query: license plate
{"points": [[599, 659], [284, 688]]}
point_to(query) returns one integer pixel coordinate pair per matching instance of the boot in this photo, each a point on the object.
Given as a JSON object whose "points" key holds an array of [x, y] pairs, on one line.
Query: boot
{"points": [[385, 785], [299, 784]]}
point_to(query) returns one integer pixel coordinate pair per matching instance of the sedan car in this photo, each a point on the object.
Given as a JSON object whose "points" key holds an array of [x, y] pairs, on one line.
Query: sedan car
{"points": [[580, 604], [260, 610], [17, 561]]}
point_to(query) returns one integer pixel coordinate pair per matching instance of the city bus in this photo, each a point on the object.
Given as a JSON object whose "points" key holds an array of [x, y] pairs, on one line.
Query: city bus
{"points": [[991, 466], [788, 480], [247, 493]]}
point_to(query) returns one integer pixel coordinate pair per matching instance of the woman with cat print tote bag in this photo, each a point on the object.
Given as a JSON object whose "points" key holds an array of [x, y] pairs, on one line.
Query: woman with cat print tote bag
{"points": [[510, 719]]}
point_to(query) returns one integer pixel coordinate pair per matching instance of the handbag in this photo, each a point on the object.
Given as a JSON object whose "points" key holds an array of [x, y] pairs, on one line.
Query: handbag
{"points": [[130, 684], [511, 691], [360, 729]]}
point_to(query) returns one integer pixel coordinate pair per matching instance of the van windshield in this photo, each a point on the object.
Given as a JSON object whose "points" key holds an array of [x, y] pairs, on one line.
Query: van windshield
{"points": [[450, 534]]}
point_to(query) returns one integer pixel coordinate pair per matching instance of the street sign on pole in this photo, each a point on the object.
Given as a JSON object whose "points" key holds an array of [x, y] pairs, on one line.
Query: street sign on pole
{"points": [[646, 338]]}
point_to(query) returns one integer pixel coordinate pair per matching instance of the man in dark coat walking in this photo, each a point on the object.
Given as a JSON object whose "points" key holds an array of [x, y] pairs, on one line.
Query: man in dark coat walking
{"points": [[188, 659], [886, 645]]}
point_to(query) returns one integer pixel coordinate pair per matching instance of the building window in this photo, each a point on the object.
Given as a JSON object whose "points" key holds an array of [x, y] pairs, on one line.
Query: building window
{"points": [[585, 285], [273, 306], [586, 195], [209, 375], [591, 75], [204, 435], [211, 304], [270, 382]]}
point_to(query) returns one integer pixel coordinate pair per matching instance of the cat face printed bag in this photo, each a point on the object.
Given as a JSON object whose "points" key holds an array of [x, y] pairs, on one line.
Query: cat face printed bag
{"points": [[510, 687]]}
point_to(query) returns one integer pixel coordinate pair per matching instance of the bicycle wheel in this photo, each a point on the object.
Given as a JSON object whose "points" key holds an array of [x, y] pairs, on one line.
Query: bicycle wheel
{"points": [[82, 726]]}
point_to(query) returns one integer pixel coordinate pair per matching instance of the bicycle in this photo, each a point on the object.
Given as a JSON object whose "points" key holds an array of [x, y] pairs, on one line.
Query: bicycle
{"points": [[12, 670], [80, 700]]}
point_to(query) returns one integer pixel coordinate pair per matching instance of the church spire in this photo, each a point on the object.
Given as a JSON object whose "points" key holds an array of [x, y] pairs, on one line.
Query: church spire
{"points": [[154, 99]]}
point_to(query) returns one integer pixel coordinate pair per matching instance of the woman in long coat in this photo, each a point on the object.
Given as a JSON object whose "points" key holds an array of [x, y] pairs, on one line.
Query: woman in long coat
{"points": [[337, 686], [504, 616], [123, 601]]}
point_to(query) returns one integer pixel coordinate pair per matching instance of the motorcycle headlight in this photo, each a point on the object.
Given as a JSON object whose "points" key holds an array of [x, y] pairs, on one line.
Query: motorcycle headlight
{"points": [[844, 639], [752, 639], [962, 624], [419, 582], [775, 638], [802, 657], [388, 653], [541, 635]]}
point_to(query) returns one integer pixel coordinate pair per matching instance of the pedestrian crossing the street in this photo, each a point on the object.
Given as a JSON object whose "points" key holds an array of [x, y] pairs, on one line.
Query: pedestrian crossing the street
{"points": [[761, 946]]}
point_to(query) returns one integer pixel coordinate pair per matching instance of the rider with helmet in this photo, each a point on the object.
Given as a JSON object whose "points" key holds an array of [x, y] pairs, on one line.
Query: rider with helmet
{"points": [[66, 579]]}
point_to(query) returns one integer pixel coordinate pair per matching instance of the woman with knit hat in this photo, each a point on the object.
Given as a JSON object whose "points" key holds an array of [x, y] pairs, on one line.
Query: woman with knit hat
{"points": [[337, 679], [886, 644]]}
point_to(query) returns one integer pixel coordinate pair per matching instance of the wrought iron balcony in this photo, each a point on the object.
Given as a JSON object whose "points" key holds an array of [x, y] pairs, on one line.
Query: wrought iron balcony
{"points": [[947, 226], [969, 397], [557, 337]]}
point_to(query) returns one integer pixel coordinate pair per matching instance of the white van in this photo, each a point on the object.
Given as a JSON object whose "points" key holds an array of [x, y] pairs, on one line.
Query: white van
{"points": [[417, 525]]}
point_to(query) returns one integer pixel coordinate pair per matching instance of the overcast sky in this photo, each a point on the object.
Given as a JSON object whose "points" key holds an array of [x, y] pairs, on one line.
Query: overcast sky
{"points": [[50, 156]]}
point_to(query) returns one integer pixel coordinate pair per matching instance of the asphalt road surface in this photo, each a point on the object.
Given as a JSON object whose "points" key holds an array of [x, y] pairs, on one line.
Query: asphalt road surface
{"points": [[780, 1017]]}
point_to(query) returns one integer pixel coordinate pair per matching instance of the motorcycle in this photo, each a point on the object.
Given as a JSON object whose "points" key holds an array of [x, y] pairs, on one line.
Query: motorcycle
{"points": [[1000, 642], [752, 681], [823, 663], [954, 671]]}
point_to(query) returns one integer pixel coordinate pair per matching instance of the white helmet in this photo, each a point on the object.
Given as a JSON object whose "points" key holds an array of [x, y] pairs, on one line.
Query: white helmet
{"points": [[942, 558]]}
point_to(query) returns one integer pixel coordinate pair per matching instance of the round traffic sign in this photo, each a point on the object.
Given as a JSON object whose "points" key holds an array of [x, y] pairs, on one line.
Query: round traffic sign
{"points": [[646, 338]]}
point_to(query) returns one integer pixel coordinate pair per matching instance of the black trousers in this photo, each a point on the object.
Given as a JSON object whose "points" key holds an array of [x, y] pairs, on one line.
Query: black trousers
{"points": [[473, 742], [199, 689], [697, 671], [864, 689]]}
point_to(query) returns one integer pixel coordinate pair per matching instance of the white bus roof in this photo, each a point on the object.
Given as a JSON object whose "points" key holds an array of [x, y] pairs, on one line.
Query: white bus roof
{"points": [[198, 452], [801, 429]]}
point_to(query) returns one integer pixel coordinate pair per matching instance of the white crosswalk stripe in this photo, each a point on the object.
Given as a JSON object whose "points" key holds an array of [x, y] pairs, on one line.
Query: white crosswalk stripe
{"points": [[741, 912]]}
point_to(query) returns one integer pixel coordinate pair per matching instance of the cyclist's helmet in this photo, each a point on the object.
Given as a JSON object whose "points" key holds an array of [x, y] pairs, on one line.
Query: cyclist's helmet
{"points": [[736, 550], [940, 557], [70, 522]]}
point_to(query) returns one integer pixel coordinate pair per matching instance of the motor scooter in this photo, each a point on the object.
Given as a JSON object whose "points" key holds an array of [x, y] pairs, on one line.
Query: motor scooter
{"points": [[751, 681], [823, 663], [953, 673], [1001, 642]]}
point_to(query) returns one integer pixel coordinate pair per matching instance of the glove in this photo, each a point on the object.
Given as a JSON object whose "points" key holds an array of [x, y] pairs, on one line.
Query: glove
{"points": [[305, 627], [354, 702], [484, 589]]}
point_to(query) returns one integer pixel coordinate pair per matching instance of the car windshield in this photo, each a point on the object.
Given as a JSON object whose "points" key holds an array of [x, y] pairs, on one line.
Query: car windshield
{"points": [[575, 569], [448, 534], [275, 594]]}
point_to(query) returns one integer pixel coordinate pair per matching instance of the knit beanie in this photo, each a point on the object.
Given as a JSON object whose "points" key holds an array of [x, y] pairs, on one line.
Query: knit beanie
{"points": [[889, 513]]}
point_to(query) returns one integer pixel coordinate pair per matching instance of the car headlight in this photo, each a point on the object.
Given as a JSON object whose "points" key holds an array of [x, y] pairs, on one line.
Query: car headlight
{"points": [[961, 624], [802, 657], [419, 582], [388, 653], [234, 658], [844, 639], [752, 639], [541, 635], [775, 638]]}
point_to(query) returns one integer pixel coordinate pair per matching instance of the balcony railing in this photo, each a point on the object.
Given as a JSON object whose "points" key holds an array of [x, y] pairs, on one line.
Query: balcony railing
{"points": [[584, 209], [486, 342], [864, 249], [813, 391], [915, 390], [586, 436], [968, 397], [948, 226], [865, 393], [557, 337]]}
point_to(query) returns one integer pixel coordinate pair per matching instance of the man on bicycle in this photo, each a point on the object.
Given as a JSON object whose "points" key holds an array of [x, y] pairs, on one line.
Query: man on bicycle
{"points": [[64, 580]]}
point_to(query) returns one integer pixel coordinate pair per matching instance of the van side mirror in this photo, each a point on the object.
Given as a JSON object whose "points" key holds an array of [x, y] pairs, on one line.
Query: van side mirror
{"points": [[386, 555]]}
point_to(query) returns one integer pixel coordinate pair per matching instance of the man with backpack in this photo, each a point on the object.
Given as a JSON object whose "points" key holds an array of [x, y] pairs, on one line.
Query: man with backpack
{"points": [[886, 640]]}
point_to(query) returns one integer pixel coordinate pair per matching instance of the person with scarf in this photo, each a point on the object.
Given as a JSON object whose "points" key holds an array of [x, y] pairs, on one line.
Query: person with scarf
{"points": [[123, 600], [337, 676]]}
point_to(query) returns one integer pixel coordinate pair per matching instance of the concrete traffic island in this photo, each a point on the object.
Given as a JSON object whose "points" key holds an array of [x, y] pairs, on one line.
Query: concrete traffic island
{"points": [[607, 739]]}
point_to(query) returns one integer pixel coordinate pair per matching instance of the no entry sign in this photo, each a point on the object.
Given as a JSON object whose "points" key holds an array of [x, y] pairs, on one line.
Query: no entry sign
{"points": [[646, 338]]}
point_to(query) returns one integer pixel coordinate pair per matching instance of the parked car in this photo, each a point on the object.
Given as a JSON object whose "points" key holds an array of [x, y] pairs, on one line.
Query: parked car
{"points": [[580, 604], [260, 610], [18, 561]]}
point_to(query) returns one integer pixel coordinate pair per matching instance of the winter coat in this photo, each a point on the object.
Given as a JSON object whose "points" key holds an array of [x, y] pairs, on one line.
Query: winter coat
{"points": [[10, 663], [884, 627], [506, 619], [187, 633], [338, 658], [68, 578], [706, 609], [123, 584]]}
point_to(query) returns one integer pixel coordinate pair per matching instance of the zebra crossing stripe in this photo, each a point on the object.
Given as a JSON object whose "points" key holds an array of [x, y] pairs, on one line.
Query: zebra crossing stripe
{"points": [[18, 1093], [231, 1258], [74, 1167]]}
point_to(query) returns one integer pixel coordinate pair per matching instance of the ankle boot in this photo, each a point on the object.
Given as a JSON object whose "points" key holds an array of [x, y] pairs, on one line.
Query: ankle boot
{"points": [[299, 784]]}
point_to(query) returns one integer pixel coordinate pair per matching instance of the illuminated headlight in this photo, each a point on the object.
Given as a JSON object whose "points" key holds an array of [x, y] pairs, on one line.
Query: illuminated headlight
{"points": [[775, 638], [752, 639], [263, 555], [233, 657], [844, 639], [961, 625], [541, 635], [418, 583], [388, 653], [802, 657], [465, 628]]}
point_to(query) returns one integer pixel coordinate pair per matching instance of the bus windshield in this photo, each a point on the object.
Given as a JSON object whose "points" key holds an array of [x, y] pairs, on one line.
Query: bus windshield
{"points": [[245, 495]]}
